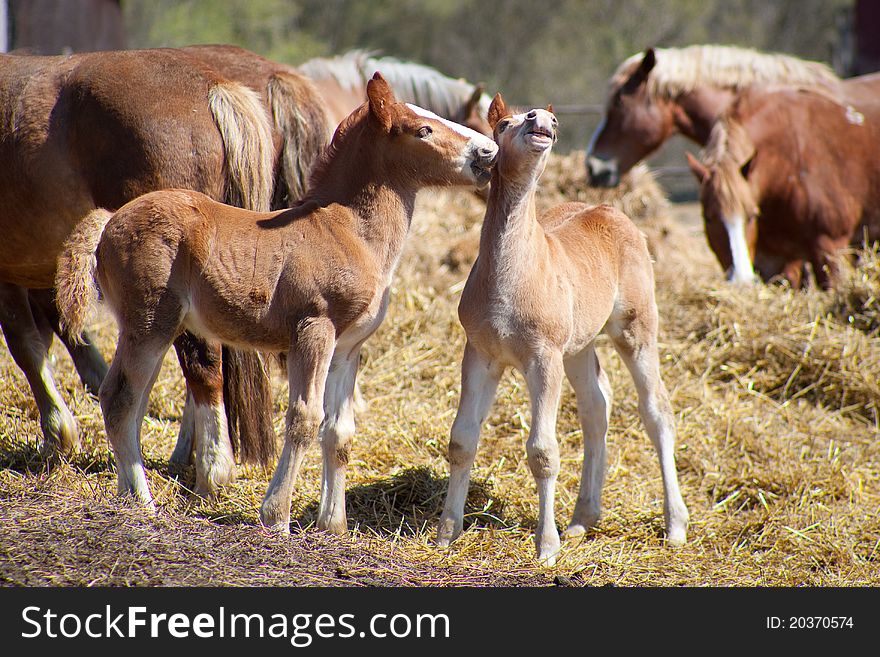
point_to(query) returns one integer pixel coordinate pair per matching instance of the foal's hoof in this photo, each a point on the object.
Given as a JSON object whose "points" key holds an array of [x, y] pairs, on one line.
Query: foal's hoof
{"points": [[447, 531], [676, 538], [573, 531]]}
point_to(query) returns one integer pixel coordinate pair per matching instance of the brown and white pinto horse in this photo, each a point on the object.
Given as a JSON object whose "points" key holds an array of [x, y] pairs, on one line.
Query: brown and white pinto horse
{"points": [[312, 280], [654, 95], [538, 295], [342, 82], [790, 176], [98, 129]]}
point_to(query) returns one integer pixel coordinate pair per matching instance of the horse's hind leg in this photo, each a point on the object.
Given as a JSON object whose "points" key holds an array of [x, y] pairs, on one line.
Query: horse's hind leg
{"points": [[30, 350], [593, 393], [124, 396], [88, 361], [200, 360], [638, 350]]}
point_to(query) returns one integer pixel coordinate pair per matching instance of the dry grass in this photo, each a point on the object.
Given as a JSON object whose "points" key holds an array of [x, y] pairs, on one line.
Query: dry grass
{"points": [[776, 394]]}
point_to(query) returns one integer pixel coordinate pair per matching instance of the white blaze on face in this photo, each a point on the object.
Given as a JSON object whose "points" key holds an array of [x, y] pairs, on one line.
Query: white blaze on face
{"points": [[743, 272], [476, 139], [595, 136]]}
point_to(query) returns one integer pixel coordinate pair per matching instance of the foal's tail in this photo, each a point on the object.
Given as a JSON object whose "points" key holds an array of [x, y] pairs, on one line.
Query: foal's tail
{"points": [[301, 117], [76, 290], [246, 131]]}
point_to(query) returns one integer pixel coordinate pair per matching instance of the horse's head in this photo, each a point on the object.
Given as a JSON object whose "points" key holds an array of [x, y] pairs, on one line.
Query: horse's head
{"points": [[524, 139], [634, 125], [419, 144], [730, 213], [473, 113]]}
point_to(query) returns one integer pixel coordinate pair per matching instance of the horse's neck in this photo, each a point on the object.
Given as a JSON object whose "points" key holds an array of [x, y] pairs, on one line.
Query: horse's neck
{"points": [[511, 237], [382, 208], [695, 112]]}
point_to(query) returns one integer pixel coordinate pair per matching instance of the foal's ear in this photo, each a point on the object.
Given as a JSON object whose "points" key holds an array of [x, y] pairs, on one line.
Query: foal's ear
{"points": [[698, 168], [497, 110], [550, 108], [381, 98]]}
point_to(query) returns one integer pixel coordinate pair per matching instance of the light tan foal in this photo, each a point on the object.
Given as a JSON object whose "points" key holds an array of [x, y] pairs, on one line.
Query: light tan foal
{"points": [[539, 293]]}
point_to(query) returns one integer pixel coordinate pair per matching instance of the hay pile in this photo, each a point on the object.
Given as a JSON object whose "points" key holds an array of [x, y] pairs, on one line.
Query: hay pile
{"points": [[776, 398]]}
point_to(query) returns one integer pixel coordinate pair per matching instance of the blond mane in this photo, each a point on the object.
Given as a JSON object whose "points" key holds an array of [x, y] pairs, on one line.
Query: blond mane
{"points": [[682, 70], [728, 149]]}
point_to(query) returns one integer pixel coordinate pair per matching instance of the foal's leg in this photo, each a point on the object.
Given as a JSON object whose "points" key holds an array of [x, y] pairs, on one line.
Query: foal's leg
{"points": [[30, 352], [88, 361], [215, 464], [544, 379], [593, 392], [124, 395], [643, 362], [307, 364], [479, 381], [336, 433]]}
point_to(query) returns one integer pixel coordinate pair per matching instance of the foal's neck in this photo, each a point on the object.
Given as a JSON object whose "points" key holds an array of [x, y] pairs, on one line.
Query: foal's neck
{"points": [[511, 235], [382, 204]]}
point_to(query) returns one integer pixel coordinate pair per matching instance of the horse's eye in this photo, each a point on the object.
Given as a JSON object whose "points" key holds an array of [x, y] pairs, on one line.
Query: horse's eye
{"points": [[424, 132], [501, 127]]}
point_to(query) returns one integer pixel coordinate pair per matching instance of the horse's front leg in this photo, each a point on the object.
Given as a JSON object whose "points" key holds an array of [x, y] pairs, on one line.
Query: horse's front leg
{"points": [[308, 362], [29, 349], [336, 434]]}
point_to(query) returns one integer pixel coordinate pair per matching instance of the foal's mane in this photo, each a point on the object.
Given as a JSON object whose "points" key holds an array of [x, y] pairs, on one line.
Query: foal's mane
{"points": [[681, 70]]}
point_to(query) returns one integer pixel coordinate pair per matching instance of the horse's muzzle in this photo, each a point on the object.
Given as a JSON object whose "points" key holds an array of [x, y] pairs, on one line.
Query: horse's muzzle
{"points": [[601, 172]]}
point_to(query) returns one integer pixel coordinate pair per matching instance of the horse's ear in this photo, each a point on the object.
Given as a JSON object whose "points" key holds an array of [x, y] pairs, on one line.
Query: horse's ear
{"points": [[474, 100], [698, 168], [550, 108], [497, 110], [380, 97], [649, 60]]}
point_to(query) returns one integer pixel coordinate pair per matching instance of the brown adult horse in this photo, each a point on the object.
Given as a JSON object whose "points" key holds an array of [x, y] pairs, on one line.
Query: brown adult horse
{"points": [[312, 280], [790, 176], [342, 82], [653, 95], [98, 129]]}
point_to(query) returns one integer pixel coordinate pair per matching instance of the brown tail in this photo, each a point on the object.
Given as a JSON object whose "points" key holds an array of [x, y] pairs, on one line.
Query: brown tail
{"points": [[300, 115], [76, 289], [247, 138]]}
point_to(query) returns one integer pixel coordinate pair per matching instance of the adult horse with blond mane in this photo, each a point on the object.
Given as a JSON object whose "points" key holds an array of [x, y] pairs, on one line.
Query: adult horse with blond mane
{"points": [[663, 91], [790, 177], [342, 82], [98, 129], [312, 280], [538, 295]]}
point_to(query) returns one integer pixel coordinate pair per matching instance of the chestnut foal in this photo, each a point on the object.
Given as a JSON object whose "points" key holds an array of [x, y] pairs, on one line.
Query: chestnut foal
{"points": [[539, 293], [312, 280]]}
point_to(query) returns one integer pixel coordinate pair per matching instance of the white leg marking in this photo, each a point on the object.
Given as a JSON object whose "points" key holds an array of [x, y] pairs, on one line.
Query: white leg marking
{"points": [[743, 272], [215, 464]]}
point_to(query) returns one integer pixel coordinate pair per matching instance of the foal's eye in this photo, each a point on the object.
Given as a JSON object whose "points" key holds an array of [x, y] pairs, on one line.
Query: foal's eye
{"points": [[424, 132]]}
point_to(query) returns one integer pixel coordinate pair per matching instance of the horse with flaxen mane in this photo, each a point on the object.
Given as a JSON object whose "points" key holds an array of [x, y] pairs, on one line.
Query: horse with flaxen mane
{"points": [[790, 176], [342, 82], [653, 95], [96, 130], [538, 295], [312, 280]]}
